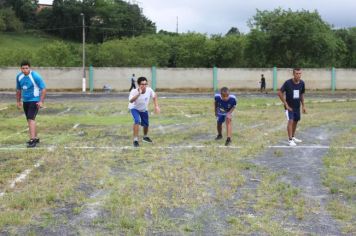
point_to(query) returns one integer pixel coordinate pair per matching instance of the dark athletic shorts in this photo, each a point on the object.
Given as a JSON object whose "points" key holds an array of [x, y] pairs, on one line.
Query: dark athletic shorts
{"points": [[293, 115], [30, 109]]}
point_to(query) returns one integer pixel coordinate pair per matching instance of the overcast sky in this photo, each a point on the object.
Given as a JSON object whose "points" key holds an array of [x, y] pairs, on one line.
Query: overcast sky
{"points": [[217, 17]]}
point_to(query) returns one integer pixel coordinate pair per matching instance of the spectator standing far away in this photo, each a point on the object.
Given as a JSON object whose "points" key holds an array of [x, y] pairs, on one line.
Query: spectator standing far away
{"points": [[133, 81], [263, 84]]}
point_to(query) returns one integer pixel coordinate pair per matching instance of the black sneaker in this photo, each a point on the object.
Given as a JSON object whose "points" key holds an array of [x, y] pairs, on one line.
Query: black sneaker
{"points": [[147, 140], [135, 144], [218, 137], [31, 143], [228, 142], [37, 140]]}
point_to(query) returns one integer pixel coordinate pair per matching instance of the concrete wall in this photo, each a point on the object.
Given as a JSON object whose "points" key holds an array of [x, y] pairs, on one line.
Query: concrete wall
{"points": [[244, 78], [178, 78]]}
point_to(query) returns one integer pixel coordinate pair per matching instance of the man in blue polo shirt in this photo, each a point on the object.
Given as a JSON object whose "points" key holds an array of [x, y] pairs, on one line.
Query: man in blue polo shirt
{"points": [[224, 106], [294, 90], [32, 90]]}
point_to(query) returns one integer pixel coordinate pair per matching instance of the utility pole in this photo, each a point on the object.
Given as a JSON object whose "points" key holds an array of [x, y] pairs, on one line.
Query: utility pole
{"points": [[177, 26], [84, 80]]}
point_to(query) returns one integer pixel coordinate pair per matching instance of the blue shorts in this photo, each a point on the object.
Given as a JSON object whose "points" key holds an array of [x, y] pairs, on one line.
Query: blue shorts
{"points": [[140, 117], [221, 118], [293, 115]]}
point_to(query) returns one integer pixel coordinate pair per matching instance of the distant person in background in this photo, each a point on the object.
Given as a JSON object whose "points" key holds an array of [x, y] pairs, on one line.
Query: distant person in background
{"points": [[32, 90], [225, 104], [294, 90], [139, 99], [133, 81], [263, 84]]}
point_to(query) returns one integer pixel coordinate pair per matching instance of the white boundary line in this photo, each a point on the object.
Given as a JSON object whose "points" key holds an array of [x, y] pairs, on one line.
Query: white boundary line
{"points": [[76, 126], [21, 177], [63, 112], [51, 148], [3, 108], [311, 147], [150, 147]]}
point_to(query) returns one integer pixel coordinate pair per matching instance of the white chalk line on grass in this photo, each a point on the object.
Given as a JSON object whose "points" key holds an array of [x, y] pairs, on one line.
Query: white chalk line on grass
{"points": [[16, 148], [63, 112], [76, 126], [3, 108], [51, 148], [312, 147], [22, 177], [150, 147]]}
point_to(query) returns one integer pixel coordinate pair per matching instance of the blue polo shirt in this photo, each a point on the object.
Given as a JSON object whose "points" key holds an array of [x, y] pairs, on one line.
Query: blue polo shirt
{"points": [[293, 92], [225, 106], [30, 86]]}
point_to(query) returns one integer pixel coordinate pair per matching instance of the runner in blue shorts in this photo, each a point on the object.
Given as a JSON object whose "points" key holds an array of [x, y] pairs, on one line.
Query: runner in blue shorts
{"points": [[32, 90], [139, 99], [225, 104], [292, 95]]}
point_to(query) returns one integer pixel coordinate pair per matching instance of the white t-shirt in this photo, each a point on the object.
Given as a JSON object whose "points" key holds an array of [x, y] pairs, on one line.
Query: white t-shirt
{"points": [[141, 103]]}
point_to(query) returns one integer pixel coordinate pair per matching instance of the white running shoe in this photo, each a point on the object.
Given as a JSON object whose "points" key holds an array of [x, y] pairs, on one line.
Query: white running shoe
{"points": [[292, 143], [296, 140]]}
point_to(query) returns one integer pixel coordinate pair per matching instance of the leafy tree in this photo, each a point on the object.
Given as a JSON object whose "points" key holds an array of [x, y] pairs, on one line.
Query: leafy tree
{"points": [[58, 54], [348, 36], [192, 50], [140, 51], [233, 31], [8, 21], [226, 51], [104, 20], [291, 39], [25, 10]]}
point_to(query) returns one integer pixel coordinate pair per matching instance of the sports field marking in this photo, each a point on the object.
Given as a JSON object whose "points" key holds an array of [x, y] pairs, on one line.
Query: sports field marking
{"points": [[50, 148], [15, 134], [22, 177], [76, 126], [152, 147], [161, 128], [65, 111], [186, 115], [3, 108], [311, 147], [252, 126]]}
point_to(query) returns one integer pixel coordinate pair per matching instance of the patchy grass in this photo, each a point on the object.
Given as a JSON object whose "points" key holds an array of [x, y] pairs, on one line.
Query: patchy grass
{"points": [[152, 190], [340, 178]]}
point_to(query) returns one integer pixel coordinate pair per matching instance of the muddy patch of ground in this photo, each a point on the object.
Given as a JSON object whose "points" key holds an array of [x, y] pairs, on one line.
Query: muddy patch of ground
{"points": [[302, 168]]}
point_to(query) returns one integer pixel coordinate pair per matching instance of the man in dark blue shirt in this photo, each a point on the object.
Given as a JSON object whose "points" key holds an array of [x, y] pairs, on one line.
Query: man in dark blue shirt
{"points": [[225, 104], [292, 95]]}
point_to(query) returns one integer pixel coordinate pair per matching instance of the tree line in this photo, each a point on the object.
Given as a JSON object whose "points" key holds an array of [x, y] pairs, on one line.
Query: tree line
{"points": [[118, 34]]}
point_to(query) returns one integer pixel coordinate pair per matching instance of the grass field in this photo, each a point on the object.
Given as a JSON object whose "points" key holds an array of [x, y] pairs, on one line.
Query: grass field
{"points": [[84, 177], [24, 41]]}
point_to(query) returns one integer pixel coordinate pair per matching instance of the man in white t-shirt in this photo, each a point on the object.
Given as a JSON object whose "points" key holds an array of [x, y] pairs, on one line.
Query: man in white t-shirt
{"points": [[139, 99]]}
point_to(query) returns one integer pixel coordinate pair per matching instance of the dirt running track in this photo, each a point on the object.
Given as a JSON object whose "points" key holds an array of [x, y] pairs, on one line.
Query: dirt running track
{"points": [[302, 168]]}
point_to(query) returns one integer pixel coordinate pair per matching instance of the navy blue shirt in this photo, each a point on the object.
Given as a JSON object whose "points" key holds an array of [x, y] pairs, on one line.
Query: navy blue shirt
{"points": [[225, 106], [293, 92]]}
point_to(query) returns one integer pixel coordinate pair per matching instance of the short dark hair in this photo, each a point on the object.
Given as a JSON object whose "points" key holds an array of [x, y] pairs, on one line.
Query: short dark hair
{"points": [[296, 68], [140, 79], [25, 63], [224, 90]]}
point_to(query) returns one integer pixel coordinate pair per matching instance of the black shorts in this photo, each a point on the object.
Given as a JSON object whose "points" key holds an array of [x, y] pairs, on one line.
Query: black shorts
{"points": [[30, 109]]}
